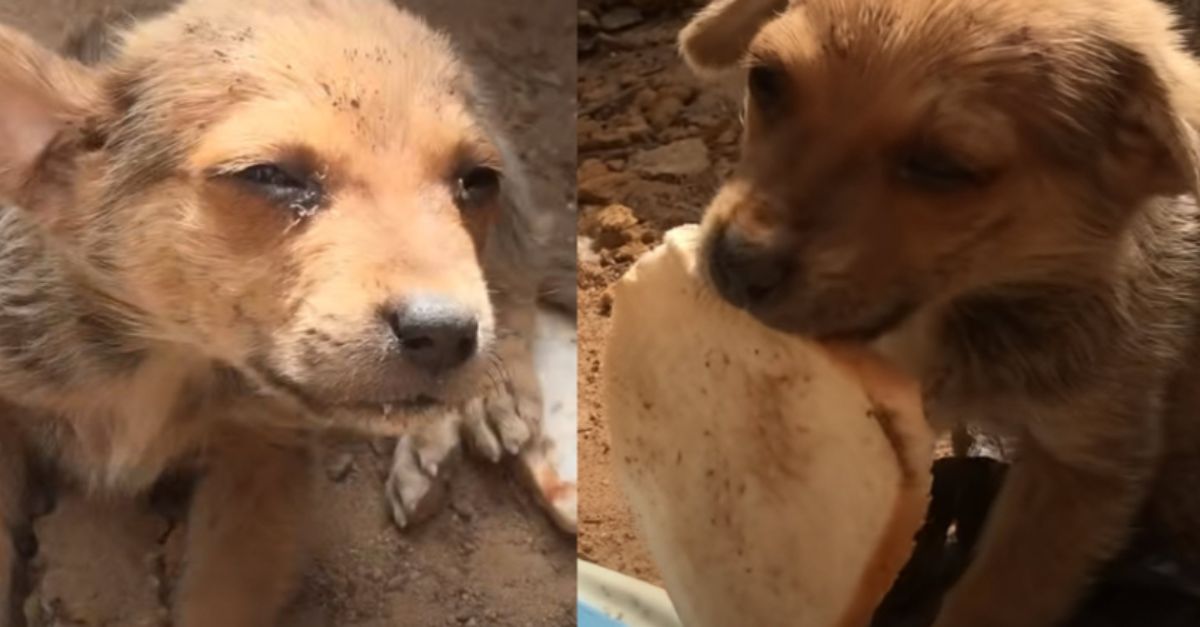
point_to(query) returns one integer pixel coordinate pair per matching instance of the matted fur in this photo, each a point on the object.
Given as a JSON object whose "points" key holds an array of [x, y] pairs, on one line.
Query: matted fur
{"points": [[1050, 292]]}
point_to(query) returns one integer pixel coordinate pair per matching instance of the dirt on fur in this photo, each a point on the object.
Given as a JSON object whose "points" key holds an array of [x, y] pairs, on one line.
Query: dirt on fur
{"points": [[491, 557]]}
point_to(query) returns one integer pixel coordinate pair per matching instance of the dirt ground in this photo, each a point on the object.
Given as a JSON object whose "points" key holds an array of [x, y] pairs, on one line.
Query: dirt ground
{"points": [[652, 146], [491, 558]]}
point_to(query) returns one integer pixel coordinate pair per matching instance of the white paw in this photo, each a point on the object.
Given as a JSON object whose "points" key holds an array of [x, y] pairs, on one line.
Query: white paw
{"points": [[416, 486], [500, 422]]}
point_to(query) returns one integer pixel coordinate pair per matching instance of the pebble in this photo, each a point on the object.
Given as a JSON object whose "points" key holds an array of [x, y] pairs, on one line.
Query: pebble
{"points": [[684, 157], [339, 465], [610, 227], [620, 18]]}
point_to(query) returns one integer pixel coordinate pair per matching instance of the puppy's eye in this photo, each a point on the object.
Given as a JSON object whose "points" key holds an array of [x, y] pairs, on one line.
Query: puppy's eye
{"points": [[767, 85], [301, 195], [936, 170], [477, 186], [269, 174]]}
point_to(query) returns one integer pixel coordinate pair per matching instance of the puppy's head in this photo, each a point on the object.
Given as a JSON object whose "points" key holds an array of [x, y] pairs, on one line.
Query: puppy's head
{"points": [[301, 190], [899, 153]]}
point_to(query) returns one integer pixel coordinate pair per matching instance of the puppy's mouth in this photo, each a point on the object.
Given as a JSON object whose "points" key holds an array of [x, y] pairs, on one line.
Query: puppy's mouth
{"points": [[397, 407], [409, 405], [839, 328], [873, 328]]}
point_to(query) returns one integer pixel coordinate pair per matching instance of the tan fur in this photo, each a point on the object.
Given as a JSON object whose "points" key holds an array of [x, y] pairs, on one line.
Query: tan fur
{"points": [[1046, 286], [156, 311]]}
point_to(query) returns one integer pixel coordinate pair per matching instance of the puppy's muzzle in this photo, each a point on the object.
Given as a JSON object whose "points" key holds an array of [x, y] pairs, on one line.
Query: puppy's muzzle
{"points": [[746, 274]]}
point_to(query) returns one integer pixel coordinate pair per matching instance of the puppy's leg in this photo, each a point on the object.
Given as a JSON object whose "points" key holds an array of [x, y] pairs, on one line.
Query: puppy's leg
{"points": [[12, 513], [1067, 505], [417, 480], [245, 536], [511, 409]]}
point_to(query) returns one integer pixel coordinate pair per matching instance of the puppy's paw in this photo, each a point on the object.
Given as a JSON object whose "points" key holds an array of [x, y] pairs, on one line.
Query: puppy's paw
{"points": [[421, 463], [502, 420], [508, 415]]}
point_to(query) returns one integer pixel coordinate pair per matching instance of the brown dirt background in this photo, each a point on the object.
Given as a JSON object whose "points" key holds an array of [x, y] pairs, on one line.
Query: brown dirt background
{"points": [[491, 557], [652, 146]]}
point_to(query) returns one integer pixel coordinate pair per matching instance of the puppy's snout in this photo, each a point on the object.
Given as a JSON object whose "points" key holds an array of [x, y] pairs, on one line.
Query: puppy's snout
{"points": [[744, 273], [435, 333]]}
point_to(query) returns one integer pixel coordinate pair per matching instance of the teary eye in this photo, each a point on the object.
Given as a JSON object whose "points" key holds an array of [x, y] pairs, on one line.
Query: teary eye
{"points": [[477, 186], [300, 194], [936, 170]]}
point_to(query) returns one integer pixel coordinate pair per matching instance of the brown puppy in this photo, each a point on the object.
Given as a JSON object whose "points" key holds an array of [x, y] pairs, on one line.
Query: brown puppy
{"points": [[256, 219], [1001, 195], [507, 416]]}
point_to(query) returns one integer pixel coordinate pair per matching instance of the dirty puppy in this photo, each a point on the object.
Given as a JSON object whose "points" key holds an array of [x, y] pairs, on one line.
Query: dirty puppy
{"points": [[1000, 195], [249, 224]]}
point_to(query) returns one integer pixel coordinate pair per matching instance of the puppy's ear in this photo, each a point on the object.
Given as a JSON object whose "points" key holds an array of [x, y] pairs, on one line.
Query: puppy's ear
{"points": [[41, 96], [718, 36], [1153, 147]]}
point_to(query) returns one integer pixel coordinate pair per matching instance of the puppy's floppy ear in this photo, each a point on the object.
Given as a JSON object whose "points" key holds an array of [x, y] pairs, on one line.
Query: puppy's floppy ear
{"points": [[718, 36], [41, 95], [1153, 147]]}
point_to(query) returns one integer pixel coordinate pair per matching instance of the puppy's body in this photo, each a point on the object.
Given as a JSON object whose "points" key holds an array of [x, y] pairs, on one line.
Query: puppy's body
{"points": [[1001, 196], [234, 227]]}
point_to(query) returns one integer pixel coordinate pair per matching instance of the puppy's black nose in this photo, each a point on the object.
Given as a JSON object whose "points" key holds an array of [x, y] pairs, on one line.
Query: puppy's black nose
{"points": [[746, 274], [435, 333]]}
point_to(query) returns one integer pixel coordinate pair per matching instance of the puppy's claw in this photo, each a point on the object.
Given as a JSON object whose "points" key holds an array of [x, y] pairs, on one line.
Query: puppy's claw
{"points": [[479, 433], [511, 427], [405, 480], [414, 487], [437, 443]]}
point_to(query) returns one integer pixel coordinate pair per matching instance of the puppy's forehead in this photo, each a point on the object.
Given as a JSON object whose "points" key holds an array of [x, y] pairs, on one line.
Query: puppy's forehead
{"points": [[986, 42], [1055, 69], [362, 67]]}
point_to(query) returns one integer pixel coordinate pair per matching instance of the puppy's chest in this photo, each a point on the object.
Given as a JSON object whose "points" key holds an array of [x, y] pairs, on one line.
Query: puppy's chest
{"points": [[124, 442], [917, 349]]}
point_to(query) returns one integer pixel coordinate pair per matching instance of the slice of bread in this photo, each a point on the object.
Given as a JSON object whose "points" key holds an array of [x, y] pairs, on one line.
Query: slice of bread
{"points": [[775, 480]]}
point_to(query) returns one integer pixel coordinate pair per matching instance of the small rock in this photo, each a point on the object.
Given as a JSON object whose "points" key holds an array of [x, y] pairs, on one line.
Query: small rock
{"points": [[620, 18], [682, 93], [587, 21], [630, 252], [599, 137], [603, 189], [684, 157], [590, 169], [663, 112], [383, 446], [464, 510], [610, 227], [645, 99], [339, 465], [605, 305]]}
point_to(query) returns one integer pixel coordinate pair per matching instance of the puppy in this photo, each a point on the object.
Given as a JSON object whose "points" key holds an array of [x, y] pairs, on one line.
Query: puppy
{"points": [[252, 221], [1000, 195]]}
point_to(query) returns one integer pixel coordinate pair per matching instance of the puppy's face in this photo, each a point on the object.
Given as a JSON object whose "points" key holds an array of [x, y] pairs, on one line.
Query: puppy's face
{"points": [[305, 198], [898, 154]]}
